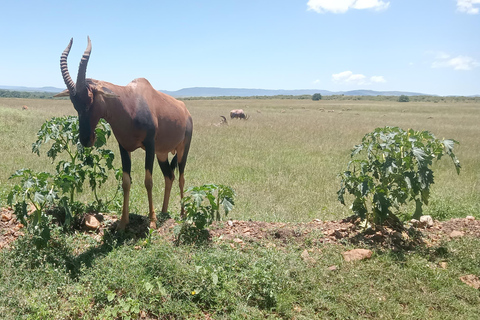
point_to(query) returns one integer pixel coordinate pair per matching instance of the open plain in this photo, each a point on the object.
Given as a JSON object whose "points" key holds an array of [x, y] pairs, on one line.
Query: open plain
{"points": [[284, 160], [283, 164]]}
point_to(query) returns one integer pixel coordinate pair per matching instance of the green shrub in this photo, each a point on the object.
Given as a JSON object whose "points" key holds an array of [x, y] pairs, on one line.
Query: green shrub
{"points": [[56, 191], [396, 170], [82, 163], [203, 205]]}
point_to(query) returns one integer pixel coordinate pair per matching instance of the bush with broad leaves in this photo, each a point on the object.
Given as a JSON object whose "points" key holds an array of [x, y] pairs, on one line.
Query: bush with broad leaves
{"points": [[390, 168]]}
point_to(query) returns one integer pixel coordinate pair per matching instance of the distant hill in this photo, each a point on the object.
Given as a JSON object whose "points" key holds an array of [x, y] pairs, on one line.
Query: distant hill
{"points": [[220, 92], [30, 89]]}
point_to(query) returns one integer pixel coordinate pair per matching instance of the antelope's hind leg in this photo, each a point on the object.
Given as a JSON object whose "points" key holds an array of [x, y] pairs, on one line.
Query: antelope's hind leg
{"points": [[182, 153], [169, 176]]}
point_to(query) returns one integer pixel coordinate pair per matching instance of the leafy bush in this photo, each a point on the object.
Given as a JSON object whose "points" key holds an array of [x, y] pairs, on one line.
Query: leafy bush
{"points": [[396, 170], [44, 190], [34, 188], [203, 205], [82, 163], [403, 98], [316, 97]]}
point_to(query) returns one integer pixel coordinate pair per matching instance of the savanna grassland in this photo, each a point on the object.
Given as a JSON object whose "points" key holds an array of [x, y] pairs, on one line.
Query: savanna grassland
{"points": [[283, 161], [283, 164]]}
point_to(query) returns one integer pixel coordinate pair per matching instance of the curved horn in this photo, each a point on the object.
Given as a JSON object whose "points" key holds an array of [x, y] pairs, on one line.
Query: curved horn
{"points": [[64, 67], [82, 68]]}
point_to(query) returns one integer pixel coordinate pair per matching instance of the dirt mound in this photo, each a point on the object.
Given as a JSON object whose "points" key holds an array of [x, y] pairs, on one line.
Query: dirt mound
{"points": [[10, 228], [275, 233]]}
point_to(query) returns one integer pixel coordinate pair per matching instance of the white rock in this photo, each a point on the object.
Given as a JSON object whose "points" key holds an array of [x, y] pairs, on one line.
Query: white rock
{"points": [[456, 234], [357, 254], [427, 220], [91, 222]]}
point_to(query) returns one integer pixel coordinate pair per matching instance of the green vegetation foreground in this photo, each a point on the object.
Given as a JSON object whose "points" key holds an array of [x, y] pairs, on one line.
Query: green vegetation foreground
{"points": [[283, 164]]}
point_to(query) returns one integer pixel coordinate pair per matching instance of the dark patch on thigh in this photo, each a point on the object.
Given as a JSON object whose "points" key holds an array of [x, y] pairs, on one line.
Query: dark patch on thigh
{"points": [[149, 145], [143, 118], [166, 169], [126, 161]]}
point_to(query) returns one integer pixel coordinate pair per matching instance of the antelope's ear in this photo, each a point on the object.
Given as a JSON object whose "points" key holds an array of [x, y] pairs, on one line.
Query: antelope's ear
{"points": [[64, 93], [105, 92]]}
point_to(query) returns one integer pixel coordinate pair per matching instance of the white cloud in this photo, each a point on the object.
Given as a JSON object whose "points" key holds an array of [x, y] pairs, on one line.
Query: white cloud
{"points": [[468, 6], [378, 79], [342, 6], [348, 77], [316, 81], [444, 60]]}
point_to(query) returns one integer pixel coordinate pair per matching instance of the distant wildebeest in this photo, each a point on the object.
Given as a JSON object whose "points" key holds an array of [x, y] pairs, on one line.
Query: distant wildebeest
{"points": [[24, 108], [238, 114], [140, 117]]}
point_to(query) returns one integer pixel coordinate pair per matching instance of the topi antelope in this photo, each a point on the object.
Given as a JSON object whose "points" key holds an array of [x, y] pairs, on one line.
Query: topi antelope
{"points": [[140, 117]]}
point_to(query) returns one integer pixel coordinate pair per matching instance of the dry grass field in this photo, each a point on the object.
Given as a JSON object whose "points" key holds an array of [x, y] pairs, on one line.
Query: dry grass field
{"points": [[283, 163], [284, 160]]}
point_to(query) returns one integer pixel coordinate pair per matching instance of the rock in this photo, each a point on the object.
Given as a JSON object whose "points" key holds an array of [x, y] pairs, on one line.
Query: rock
{"points": [[338, 234], [91, 222], [416, 223], [471, 280], [456, 234], [357, 254], [397, 235], [443, 265], [306, 257], [470, 218], [230, 223], [330, 233], [332, 268], [427, 220], [6, 216]]}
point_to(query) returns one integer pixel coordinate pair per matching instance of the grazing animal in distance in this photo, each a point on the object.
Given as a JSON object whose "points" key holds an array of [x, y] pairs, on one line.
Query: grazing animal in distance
{"points": [[238, 114], [140, 117], [24, 108], [222, 122]]}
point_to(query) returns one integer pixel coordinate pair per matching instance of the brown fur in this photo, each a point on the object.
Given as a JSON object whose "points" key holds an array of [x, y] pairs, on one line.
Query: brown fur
{"points": [[140, 117], [170, 116]]}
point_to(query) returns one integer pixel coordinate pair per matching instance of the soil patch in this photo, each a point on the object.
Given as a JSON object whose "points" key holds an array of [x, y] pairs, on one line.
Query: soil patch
{"points": [[239, 233]]}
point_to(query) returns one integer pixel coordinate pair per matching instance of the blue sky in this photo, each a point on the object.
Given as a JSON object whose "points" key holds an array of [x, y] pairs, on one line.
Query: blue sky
{"points": [[428, 46]]}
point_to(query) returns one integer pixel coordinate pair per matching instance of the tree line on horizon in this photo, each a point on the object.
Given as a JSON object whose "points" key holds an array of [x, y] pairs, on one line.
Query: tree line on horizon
{"points": [[315, 97]]}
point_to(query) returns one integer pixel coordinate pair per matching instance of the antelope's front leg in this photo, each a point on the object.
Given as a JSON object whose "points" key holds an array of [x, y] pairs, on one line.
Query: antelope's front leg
{"points": [[126, 183], [149, 159]]}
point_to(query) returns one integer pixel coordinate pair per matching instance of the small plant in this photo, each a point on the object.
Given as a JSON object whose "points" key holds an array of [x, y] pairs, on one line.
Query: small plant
{"points": [[203, 205], [44, 190], [396, 170], [36, 189], [82, 163]]}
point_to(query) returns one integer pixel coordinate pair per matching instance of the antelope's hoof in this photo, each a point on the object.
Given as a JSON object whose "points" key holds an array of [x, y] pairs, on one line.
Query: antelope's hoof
{"points": [[121, 226], [153, 224]]}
